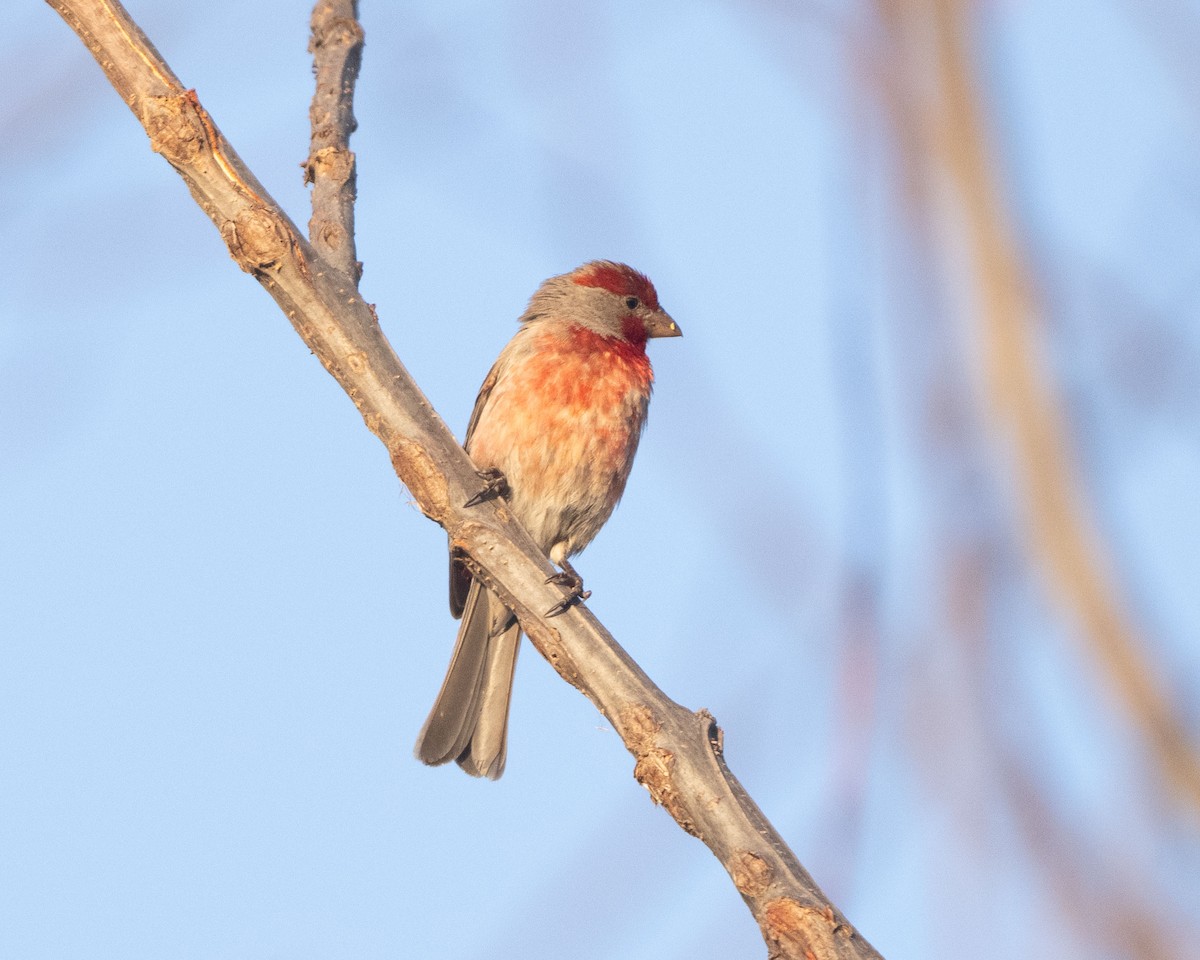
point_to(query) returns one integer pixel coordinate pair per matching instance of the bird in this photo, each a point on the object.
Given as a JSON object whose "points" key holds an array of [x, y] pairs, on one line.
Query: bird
{"points": [[554, 430]]}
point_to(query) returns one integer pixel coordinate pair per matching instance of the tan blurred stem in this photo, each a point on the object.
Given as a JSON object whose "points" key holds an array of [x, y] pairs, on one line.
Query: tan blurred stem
{"points": [[679, 754], [1058, 530]]}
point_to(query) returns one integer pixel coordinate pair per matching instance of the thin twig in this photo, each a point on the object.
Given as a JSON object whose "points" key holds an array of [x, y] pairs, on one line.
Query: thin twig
{"points": [[679, 756], [336, 45]]}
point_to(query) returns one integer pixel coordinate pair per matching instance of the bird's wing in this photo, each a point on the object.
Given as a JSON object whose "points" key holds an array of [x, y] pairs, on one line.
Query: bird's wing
{"points": [[485, 393], [460, 576]]}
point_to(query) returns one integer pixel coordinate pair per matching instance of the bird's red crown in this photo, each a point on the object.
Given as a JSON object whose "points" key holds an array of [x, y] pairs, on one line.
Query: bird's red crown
{"points": [[619, 279]]}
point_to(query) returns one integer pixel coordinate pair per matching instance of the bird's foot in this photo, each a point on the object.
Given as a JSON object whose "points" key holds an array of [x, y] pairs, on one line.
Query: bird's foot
{"points": [[495, 485], [573, 583]]}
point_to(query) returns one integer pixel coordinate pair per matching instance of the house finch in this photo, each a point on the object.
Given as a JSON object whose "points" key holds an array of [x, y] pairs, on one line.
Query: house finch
{"points": [[556, 425]]}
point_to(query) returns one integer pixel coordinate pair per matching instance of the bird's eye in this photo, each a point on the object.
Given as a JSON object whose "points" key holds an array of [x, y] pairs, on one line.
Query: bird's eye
{"points": [[632, 303]]}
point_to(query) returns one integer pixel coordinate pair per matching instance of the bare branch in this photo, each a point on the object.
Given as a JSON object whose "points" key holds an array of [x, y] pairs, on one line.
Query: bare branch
{"points": [[336, 46], [678, 753]]}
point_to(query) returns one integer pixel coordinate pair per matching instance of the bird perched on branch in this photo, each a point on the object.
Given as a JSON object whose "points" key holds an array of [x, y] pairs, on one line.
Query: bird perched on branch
{"points": [[554, 429]]}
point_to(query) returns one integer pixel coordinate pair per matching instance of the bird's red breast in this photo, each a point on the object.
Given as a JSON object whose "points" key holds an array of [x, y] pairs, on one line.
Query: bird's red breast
{"points": [[564, 419]]}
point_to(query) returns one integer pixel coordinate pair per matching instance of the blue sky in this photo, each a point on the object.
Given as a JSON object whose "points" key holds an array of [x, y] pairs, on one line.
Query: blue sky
{"points": [[223, 620]]}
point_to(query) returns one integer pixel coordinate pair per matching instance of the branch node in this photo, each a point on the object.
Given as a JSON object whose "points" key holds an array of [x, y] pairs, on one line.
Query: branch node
{"points": [[639, 727], [425, 481], [334, 30], [655, 770], [175, 128], [257, 239], [794, 930], [335, 163], [751, 874]]}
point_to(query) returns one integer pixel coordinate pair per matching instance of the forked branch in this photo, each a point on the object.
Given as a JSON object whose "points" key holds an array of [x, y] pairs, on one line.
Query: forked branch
{"points": [[678, 753]]}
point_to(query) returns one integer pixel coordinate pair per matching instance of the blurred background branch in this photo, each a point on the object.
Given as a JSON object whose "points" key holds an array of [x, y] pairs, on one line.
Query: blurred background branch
{"points": [[1029, 422]]}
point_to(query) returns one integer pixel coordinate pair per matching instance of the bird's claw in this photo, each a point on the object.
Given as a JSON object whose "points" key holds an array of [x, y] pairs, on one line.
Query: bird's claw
{"points": [[575, 592], [567, 602], [495, 485]]}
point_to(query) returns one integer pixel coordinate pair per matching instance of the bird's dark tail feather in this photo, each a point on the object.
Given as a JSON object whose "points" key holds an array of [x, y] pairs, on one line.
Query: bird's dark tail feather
{"points": [[469, 720]]}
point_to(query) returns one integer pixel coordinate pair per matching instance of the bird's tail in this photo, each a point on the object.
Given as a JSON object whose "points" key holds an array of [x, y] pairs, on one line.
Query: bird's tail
{"points": [[469, 720]]}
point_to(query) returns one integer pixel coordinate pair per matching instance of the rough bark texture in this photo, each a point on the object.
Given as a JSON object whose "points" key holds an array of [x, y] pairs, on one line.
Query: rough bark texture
{"points": [[336, 46], [678, 753]]}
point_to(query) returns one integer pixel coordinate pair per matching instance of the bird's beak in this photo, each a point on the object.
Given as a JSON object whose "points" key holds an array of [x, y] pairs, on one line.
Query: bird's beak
{"points": [[660, 324]]}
